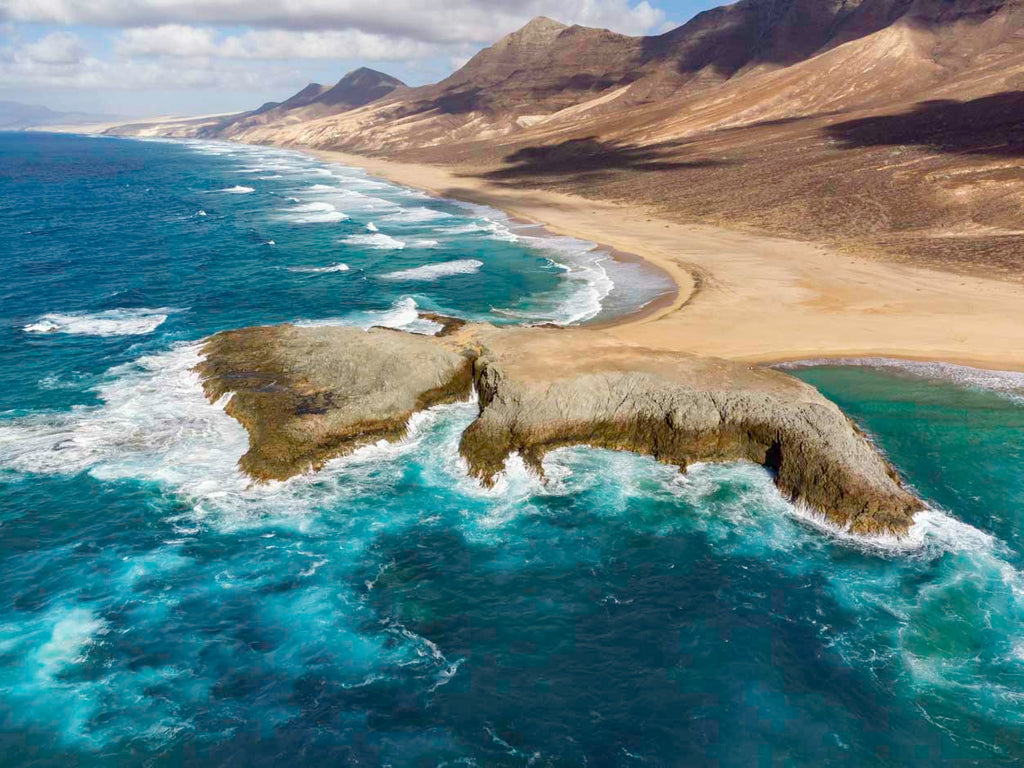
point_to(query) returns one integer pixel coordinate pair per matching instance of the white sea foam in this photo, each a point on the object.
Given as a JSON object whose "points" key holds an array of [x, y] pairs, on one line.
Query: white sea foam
{"points": [[416, 215], [201, 213], [402, 315], [154, 422], [585, 286], [461, 229], [238, 190], [432, 272], [349, 200], [73, 631], [589, 281], [376, 240], [313, 213], [320, 270], [371, 227], [113, 322]]}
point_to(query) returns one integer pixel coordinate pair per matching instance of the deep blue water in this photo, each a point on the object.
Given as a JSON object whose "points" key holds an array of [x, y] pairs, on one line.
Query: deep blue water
{"points": [[157, 609]]}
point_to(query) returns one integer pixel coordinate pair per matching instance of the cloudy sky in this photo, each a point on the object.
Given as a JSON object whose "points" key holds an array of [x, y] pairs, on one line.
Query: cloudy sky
{"points": [[154, 57]]}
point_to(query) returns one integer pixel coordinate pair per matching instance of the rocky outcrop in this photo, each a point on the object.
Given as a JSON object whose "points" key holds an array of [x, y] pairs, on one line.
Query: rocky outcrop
{"points": [[310, 394], [307, 395], [679, 409]]}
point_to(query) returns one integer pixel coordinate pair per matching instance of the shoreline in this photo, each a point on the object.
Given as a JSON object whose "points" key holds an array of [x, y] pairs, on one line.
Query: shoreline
{"points": [[682, 282], [666, 300], [755, 298]]}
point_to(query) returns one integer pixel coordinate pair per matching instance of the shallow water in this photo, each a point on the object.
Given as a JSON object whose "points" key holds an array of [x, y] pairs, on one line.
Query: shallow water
{"points": [[155, 608]]}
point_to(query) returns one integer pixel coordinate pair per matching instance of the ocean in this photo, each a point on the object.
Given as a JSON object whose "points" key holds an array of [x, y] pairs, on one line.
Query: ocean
{"points": [[158, 609]]}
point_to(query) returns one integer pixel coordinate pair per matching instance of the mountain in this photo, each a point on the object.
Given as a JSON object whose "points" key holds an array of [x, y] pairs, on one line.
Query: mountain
{"points": [[356, 89], [16, 116], [359, 87], [894, 127]]}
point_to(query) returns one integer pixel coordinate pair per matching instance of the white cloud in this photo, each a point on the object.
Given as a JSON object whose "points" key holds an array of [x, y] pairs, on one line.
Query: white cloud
{"points": [[167, 40], [60, 61], [59, 48], [442, 21], [272, 44]]}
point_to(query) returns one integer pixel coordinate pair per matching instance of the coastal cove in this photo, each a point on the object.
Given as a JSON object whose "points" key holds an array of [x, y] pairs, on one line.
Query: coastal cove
{"points": [[415, 602]]}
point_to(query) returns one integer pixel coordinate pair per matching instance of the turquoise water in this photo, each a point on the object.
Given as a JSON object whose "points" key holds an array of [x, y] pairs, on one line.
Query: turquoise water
{"points": [[157, 609]]}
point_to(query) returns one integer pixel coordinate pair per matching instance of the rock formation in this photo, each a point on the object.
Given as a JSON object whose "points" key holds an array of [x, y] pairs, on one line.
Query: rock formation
{"points": [[538, 392], [306, 395]]}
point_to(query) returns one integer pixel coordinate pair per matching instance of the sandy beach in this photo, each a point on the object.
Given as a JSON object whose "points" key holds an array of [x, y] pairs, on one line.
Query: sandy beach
{"points": [[759, 298]]}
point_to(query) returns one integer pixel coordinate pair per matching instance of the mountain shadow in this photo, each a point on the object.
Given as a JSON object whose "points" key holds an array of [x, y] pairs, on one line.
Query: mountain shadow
{"points": [[990, 125], [589, 155]]}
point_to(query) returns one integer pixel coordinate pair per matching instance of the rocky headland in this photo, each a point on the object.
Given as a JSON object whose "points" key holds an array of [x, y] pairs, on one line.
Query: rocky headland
{"points": [[307, 395]]}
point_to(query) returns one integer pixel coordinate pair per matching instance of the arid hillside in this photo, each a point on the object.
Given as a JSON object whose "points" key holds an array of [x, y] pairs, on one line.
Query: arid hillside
{"points": [[893, 127]]}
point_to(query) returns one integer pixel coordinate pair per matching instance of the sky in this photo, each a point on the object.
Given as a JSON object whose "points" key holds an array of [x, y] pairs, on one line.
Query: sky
{"points": [[135, 58]]}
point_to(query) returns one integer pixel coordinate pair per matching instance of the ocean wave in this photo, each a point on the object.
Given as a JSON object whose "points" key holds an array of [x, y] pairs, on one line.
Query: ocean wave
{"points": [[320, 270], [375, 240], [237, 190], [416, 215], [432, 272], [585, 285], [313, 213], [403, 315], [154, 422], [495, 223], [113, 322]]}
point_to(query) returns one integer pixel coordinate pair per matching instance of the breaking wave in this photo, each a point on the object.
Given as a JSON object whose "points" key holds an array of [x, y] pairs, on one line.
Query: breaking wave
{"points": [[313, 213], [113, 322], [376, 240], [320, 270], [402, 315], [431, 272]]}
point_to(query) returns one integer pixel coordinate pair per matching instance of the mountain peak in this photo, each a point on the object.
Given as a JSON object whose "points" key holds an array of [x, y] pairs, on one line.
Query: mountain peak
{"points": [[365, 74], [538, 31], [359, 87]]}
